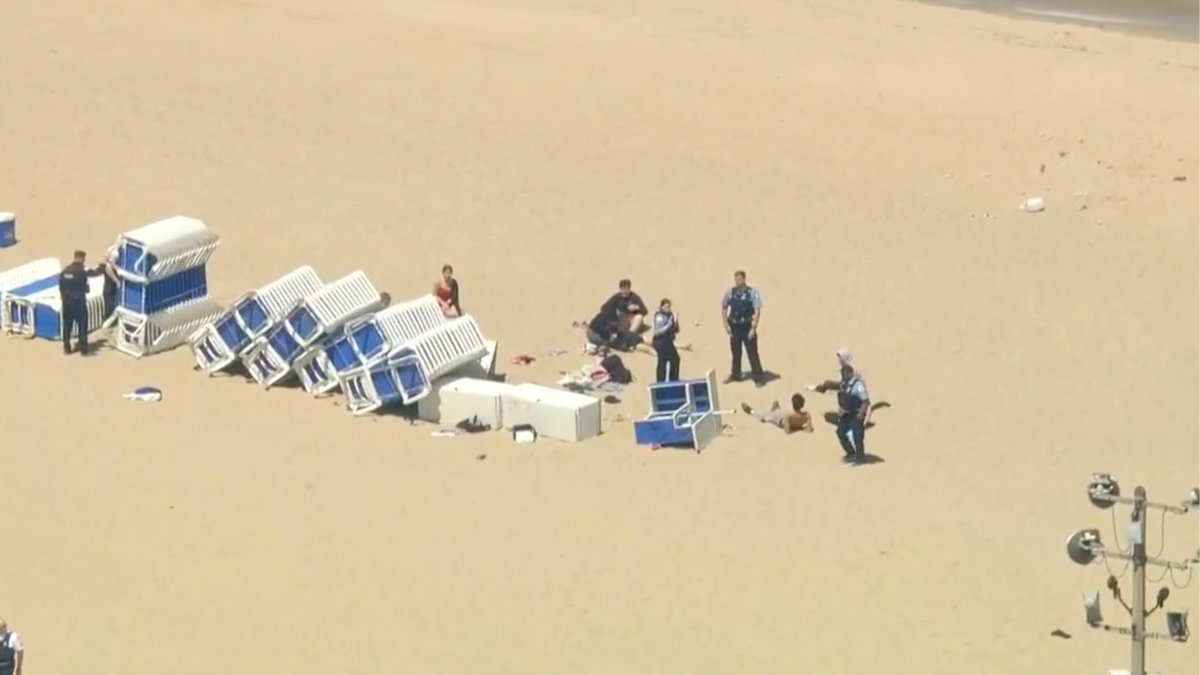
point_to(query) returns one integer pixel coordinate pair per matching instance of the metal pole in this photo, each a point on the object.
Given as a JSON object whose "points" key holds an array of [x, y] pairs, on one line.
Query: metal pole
{"points": [[1138, 529]]}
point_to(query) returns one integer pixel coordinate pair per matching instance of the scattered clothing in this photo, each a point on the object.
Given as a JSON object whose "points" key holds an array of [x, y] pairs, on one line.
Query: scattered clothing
{"points": [[153, 394], [598, 377]]}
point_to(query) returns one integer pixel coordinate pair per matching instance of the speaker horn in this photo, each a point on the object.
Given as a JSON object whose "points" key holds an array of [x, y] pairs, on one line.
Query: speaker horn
{"points": [[1091, 609], [1082, 547], [1103, 485]]}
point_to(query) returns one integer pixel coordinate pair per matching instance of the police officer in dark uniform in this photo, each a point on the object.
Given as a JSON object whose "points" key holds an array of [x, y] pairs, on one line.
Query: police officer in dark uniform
{"points": [[73, 288], [666, 327], [741, 309]]}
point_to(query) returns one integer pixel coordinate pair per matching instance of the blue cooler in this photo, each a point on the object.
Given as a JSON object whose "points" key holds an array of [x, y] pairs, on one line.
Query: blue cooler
{"points": [[8, 229]]}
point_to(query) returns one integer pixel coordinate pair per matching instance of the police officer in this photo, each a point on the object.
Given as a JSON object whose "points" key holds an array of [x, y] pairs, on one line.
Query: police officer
{"points": [[12, 652], [741, 309], [73, 288], [666, 327], [854, 404]]}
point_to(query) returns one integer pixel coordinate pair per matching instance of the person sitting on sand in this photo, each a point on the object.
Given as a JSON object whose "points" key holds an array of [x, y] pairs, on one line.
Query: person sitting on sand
{"points": [[608, 330], [790, 422], [628, 304], [602, 331], [446, 292]]}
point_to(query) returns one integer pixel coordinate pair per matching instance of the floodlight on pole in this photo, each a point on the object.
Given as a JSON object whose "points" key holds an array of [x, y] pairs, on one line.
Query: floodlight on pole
{"points": [[1085, 547]]}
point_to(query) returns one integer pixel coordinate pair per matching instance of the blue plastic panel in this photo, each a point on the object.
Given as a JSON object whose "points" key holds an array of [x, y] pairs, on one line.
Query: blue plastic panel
{"points": [[667, 396], [659, 430], [47, 322], [385, 386], [369, 339], [314, 371], [284, 345], [164, 293], [128, 256], [33, 287], [304, 323], [231, 333], [701, 401], [253, 315], [341, 355]]}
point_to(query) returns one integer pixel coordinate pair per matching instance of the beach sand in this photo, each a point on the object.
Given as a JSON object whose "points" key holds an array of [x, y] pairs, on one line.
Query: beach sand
{"points": [[862, 160]]}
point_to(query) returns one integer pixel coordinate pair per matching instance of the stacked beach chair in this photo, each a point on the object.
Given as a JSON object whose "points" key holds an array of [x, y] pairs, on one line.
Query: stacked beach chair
{"points": [[365, 341], [163, 293], [410, 372], [225, 340], [307, 325]]}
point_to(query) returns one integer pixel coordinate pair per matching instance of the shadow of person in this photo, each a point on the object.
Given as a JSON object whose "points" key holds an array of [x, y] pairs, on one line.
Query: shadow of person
{"points": [[869, 459], [831, 418]]}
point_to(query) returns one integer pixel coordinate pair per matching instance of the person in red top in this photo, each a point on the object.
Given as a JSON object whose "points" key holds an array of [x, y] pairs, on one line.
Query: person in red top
{"points": [[446, 292]]}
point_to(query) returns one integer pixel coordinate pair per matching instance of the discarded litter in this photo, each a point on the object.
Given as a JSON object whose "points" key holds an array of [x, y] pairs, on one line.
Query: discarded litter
{"points": [[524, 433], [445, 433], [557, 351], [144, 394], [1034, 205], [522, 360]]}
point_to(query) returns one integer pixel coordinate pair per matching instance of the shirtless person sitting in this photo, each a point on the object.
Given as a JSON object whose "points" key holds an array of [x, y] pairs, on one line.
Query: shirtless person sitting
{"points": [[790, 422]]}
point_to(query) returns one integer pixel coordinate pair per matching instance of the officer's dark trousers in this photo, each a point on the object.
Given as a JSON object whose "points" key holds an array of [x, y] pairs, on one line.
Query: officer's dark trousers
{"points": [[74, 318], [667, 369], [852, 432], [739, 337]]}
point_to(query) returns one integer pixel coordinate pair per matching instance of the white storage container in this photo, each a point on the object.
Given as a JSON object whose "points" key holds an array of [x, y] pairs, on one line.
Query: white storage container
{"points": [[456, 399], [554, 413]]}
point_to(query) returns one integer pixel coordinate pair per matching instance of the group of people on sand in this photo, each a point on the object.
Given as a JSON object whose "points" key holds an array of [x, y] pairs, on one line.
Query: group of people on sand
{"points": [[853, 416], [624, 323]]}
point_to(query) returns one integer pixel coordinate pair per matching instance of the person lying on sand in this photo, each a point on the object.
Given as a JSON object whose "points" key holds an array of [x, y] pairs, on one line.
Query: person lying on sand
{"points": [[790, 422]]}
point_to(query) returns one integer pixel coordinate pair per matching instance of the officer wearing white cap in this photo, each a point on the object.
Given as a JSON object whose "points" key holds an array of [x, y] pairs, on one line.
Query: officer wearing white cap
{"points": [[12, 652], [854, 404]]}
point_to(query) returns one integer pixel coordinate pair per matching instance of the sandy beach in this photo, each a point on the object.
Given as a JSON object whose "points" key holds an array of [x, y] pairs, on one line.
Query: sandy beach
{"points": [[862, 160]]}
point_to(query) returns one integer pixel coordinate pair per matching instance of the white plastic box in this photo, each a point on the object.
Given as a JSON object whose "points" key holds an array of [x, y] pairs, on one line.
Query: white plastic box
{"points": [[553, 413], [456, 399]]}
